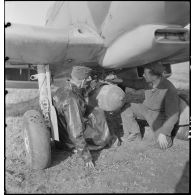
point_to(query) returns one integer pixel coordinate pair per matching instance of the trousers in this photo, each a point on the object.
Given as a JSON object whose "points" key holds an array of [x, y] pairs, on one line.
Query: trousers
{"points": [[79, 126], [139, 111]]}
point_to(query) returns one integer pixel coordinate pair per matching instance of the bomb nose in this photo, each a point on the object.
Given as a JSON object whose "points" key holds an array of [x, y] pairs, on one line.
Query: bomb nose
{"points": [[110, 97]]}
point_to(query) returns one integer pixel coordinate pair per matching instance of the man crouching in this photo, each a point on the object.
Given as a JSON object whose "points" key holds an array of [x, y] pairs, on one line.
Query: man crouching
{"points": [[78, 126], [160, 108]]}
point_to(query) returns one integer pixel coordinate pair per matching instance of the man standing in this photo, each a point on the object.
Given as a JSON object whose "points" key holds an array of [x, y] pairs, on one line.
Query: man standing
{"points": [[79, 126], [160, 108]]}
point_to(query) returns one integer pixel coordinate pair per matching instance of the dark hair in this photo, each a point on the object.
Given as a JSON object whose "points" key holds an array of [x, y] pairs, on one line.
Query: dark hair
{"points": [[155, 73], [156, 69]]}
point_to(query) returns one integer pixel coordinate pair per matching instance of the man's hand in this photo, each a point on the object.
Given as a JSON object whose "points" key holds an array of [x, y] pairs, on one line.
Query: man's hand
{"points": [[162, 140], [90, 165]]}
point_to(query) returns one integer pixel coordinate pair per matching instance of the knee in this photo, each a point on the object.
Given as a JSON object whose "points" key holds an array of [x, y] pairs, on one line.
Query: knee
{"points": [[128, 112]]}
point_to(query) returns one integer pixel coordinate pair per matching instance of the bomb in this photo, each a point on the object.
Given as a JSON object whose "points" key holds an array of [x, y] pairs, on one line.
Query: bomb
{"points": [[108, 97]]}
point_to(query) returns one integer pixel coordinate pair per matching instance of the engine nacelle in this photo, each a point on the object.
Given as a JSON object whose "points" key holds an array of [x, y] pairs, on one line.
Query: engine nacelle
{"points": [[109, 98]]}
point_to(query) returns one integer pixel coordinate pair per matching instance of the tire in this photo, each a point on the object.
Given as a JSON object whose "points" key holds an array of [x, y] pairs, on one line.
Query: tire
{"points": [[183, 131], [37, 141]]}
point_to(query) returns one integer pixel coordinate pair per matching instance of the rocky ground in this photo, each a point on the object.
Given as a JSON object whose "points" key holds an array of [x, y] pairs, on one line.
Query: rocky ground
{"points": [[129, 168]]}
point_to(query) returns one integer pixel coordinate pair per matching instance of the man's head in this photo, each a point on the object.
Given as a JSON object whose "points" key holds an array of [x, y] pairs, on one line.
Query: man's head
{"points": [[153, 72], [80, 75]]}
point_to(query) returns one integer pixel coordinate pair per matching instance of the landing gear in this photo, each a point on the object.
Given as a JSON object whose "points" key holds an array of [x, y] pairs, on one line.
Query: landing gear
{"points": [[36, 140], [41, 128]]}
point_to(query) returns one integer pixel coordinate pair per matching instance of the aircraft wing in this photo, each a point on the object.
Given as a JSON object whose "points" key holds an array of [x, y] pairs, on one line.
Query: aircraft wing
{"points": [[80, 43], [25, 44], [146, 44]]}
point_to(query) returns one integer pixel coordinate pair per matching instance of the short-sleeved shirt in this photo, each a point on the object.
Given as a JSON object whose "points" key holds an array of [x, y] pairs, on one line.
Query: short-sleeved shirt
{"points": [[162, 99]]}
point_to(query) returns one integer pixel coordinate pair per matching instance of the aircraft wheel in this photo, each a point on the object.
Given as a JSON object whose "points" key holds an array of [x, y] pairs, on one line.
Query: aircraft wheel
{"points": [[183, 131], [36, 140]]}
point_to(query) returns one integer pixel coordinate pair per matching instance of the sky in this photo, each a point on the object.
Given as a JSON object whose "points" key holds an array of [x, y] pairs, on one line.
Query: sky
{"points": [[29, 12]]}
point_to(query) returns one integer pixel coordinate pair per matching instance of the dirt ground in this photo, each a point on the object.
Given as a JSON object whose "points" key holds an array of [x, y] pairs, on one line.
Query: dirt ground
{"points": [[129, 168]]}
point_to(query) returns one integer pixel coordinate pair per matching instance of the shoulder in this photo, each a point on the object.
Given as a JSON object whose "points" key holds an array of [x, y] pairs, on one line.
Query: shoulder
{"points": [[171, 94], [63, 90], [166, 84]]}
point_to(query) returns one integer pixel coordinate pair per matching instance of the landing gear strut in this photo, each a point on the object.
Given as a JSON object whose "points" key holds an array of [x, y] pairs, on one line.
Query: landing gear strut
{"points": [[41, 129]]}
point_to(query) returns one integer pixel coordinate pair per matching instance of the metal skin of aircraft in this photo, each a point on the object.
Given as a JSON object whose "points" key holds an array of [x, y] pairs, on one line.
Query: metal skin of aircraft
{"points": [[109, 36], [112, 35]]}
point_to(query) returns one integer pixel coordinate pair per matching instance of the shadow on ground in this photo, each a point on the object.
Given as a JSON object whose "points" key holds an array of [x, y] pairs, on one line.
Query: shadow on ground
{"points": [[58, 156], [184, 183]]}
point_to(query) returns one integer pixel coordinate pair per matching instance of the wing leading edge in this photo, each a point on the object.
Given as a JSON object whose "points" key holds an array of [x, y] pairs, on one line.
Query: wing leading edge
{"points": [[27, 44]]}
